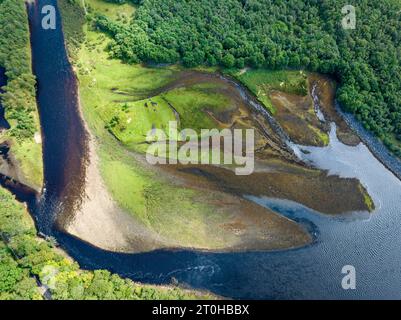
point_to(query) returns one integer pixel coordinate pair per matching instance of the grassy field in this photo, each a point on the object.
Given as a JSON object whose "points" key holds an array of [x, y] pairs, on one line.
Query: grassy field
{"points": [[117, 93], [132, 121], [190, 102], [261, 82], [117, 12], [29, 156], [173, 212]]}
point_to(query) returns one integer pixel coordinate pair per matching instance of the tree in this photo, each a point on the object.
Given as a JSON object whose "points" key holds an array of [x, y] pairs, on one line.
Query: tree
{"points": [[228, 60]]}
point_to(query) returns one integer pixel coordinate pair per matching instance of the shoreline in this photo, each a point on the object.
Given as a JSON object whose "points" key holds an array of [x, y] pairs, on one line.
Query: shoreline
{"points": [[390, 161], [97, 205], [126, 243], [373, 143]]}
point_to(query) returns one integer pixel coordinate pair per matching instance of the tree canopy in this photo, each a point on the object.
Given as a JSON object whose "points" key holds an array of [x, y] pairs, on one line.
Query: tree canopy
{"points": [[19, 94]]}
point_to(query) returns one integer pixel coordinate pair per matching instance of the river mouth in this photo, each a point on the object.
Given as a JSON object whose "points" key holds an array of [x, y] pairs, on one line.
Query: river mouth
{"points": [[309, 272]]}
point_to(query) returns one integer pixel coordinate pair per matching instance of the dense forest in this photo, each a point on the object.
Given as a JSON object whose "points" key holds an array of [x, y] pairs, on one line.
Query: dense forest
{"points": [[279, 34], [19, 96]]}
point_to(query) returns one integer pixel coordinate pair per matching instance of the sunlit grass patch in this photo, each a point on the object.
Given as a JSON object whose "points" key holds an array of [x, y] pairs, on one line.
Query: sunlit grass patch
{"points": [[115, 11], [193, 103], [173, 212], [29, 155], [132, 121], [261, 82]]}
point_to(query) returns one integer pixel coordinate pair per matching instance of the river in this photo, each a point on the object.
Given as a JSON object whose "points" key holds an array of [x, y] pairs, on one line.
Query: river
{"points": [[3, 81], [371, 243], [65, 149]]}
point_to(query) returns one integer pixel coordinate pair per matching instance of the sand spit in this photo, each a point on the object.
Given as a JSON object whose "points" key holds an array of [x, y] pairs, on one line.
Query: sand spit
{"points": [[102, 223]]}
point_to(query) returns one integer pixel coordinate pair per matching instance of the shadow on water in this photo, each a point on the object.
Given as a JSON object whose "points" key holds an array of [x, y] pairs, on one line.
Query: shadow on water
{"points": [[371, 245], [65, 138], [3, 81]]}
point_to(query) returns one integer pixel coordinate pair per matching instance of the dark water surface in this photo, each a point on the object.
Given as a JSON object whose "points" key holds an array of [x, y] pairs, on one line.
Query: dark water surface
{"points": [[3, 81], [64, 135], [371, 243]]}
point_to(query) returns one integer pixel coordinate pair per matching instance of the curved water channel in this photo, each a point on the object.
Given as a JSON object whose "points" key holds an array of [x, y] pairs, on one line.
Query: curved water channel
{"points": [[371, 243]]}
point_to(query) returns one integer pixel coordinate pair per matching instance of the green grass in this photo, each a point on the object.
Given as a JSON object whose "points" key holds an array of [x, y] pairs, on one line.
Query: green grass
{"points": [[107, 84], [192, 103], [132, 121], [118, 12], [367, 198], [29, 156], [261, 82], [173, 212], [119, 90], [126, 185], [112, 80], [73, 19]]}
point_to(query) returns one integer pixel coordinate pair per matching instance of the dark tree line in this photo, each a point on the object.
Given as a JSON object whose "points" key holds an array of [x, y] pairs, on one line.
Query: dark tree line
{"points": [[19, 94], [279, 34]]}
